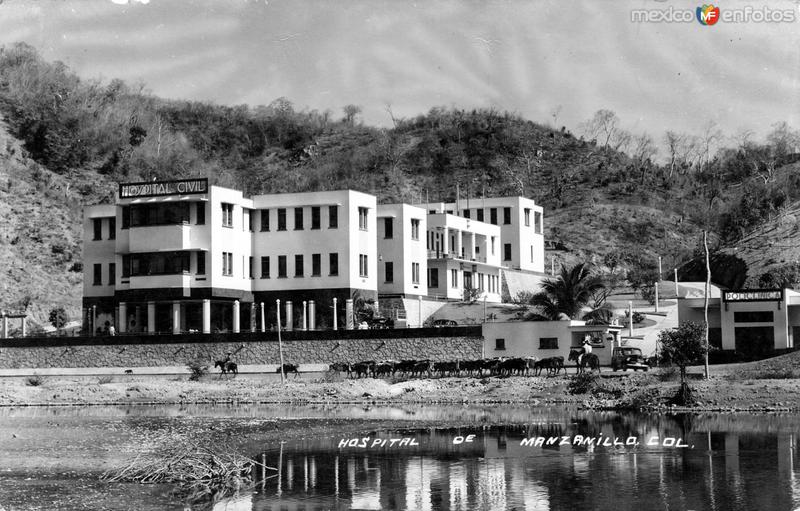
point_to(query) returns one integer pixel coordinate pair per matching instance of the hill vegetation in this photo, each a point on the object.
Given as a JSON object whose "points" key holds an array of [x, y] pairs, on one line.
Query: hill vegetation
{"points": [[68, 140]]}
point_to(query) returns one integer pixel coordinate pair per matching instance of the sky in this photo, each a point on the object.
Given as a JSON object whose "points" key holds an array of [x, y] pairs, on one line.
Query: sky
{"points": [[553, 62]]}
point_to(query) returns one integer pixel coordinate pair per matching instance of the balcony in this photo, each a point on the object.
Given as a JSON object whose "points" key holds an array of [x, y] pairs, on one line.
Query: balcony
{"points": [[159, 238], [159, 281], [433, 254]]}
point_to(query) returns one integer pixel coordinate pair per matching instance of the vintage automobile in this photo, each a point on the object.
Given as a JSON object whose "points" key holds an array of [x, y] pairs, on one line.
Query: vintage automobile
{"points": [[441, 323], [628, 358]]}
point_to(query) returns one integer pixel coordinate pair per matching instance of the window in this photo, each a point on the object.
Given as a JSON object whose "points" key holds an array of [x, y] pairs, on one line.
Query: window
{"points": [[251, 220], [527, 217], [433, 277], [264, 267], [281, 219], [388, 228], [333, 217], [98, 228], [480, 214], [362, 219], [466, 213], [112, 273], [389, 271], [282, 267], [112, 228], [298, 219], [316, 265], [165, 213], [126, 266], [159, 263], [250, 267], [492, 245], [415, 273], [333, 262], [201, 263], [98, 275], [753, 317], [298, 265], [227, 263], [264, 219], [548, 343], [227, 215], [454, 278], [506, 251], [537, 222], [414, 229], [315, 217], [126, 217], [500, 344], [362, 266], [493, 216], [506, 216], [201, 213]]}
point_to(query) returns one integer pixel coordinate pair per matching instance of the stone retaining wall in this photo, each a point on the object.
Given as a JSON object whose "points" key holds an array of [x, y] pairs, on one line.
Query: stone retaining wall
{"points": [[147, 353]]}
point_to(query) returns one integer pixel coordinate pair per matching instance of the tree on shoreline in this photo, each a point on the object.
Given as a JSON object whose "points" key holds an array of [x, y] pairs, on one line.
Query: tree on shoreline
{"points": [[683, 346]]}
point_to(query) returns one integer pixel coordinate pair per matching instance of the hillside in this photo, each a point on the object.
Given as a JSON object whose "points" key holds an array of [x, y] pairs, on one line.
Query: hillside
{"points": [[40, 233], [66, 141]]}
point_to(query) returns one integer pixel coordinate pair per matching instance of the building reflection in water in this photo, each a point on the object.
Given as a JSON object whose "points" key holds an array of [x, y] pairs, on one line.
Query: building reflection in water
{"points": [[725, 470]]}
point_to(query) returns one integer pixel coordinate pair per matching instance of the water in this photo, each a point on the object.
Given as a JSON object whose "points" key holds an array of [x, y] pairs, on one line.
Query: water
{"points": [[501, 460]]}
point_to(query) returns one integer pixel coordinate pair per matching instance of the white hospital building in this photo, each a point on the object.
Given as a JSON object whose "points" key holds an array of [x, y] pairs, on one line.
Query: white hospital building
{"points": [[183, 256]]}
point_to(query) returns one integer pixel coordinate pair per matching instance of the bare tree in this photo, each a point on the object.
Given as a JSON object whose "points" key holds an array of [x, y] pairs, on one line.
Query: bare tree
{"points": [[673, 141], [603, 126], [709, 141], [783, 139], [350, 113]]}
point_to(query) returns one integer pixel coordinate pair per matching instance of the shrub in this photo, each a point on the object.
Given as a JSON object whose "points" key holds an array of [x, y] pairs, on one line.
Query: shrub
{"points": [[198, 370], [105, 379], [638, 317], [583, 383], [34, 381], [58, 317]]}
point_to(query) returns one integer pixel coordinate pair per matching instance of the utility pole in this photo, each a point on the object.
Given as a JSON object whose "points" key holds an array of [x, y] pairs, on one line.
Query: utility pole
{"points": [[280, 344], [707, 289]]}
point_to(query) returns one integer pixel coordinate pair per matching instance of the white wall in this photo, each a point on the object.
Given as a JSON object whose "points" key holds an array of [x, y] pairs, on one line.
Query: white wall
{"points": [[401, 249], [98, 251]]}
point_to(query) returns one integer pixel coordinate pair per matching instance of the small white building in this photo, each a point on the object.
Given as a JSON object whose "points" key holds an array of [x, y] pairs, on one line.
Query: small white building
{"points": [[544, 339], [749, 321]]}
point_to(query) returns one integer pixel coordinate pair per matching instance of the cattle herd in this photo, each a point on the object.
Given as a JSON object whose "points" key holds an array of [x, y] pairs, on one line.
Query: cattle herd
{"points": [[429, 369]]}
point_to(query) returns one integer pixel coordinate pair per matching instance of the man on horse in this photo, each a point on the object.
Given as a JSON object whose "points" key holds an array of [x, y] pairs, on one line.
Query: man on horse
{"points": [[587, 348]]}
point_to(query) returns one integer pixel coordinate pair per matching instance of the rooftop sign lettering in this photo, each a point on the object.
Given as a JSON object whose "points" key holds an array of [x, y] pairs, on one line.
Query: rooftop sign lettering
{"points": [[156, 188], [758, 295]]}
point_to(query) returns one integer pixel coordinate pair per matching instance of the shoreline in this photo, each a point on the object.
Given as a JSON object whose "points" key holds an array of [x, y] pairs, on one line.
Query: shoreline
{"points": [[633, 392]]}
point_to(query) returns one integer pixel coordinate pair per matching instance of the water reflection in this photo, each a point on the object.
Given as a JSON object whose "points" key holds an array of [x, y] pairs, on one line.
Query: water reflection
{"points": [[725, 467]]}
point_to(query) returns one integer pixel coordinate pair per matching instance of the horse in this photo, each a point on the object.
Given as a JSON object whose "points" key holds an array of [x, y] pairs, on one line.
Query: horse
{"points": [[554, 365], [226, 366], [589, 359], [288, 368]]}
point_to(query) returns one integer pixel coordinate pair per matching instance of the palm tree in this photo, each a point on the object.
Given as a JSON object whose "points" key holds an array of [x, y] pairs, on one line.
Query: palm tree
{"points": [[567, 294]]}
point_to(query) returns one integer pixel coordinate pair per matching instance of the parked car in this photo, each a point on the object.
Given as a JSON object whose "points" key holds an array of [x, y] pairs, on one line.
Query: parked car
{"points": [[381, 323], [441, 323], [623, 357]]}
